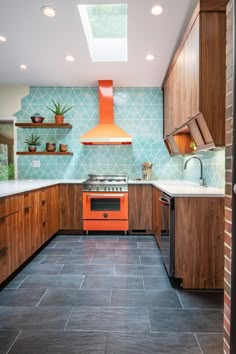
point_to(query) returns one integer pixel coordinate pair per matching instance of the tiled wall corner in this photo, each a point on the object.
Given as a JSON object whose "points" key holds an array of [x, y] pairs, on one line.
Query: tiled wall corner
{"points": [[213, 168]]}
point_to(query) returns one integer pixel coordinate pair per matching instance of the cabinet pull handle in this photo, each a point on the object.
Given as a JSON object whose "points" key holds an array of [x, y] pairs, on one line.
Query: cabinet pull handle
{"points": [[3, 251], [5, 216], [28, 207]]}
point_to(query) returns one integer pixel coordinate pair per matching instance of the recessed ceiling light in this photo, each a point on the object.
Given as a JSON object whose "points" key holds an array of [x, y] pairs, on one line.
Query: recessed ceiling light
{"points": [[23, 67], [3, 39], [157, 10], [70, 58], [150, 57], [48, 11]]}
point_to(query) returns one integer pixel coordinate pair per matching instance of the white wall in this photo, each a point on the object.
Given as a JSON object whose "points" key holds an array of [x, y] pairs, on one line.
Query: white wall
{"points": [[10, 99]]}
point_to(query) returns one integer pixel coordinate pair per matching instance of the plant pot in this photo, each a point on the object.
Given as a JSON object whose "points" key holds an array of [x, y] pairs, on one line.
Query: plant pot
{"points": [[63, 147], [59, 119], [32, 148], [50, 147]]}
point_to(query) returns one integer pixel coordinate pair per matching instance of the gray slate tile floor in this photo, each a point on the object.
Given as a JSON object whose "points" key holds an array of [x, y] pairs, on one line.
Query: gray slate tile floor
{"points": [[105, 295]]}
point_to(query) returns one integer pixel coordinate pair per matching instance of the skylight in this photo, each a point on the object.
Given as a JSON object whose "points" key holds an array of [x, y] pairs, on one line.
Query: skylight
{"points": [[105, 28]]}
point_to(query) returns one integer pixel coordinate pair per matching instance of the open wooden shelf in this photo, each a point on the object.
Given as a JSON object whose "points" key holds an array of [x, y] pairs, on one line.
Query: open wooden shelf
{"points": [[43, 125], [43, 153]]}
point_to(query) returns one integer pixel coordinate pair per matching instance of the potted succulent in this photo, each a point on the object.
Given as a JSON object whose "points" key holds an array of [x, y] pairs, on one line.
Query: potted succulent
{"points": [[32, 142], [59, 111]]}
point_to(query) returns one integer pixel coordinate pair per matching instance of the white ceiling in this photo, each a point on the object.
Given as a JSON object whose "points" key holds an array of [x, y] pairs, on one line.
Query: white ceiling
{"points": [[42, 43]]}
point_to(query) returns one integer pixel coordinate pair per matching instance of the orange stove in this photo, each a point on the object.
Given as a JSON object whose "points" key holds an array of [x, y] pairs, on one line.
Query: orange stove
{"points": [[105, 203]]}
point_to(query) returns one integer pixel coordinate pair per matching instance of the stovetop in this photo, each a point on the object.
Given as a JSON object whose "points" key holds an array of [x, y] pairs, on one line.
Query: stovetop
{"points": [[106, 183]]}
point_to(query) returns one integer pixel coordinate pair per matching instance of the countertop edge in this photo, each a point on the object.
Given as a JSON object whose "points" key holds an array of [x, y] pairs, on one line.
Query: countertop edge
{"points": [[194, 191]]}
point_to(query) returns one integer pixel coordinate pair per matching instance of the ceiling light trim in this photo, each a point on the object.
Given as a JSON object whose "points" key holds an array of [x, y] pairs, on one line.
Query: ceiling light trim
{"points": [[48, 11]]}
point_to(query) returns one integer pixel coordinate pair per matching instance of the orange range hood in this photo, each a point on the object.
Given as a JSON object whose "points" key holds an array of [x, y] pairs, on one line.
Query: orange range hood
{"points": [[106, 132]]}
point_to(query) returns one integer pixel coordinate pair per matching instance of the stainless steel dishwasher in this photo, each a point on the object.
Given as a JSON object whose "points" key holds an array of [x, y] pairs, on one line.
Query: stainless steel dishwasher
{"points": [[168, 232]]}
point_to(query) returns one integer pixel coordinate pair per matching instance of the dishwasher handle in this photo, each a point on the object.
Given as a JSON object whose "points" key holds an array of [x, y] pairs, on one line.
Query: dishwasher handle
{"points": [[164, 201]]}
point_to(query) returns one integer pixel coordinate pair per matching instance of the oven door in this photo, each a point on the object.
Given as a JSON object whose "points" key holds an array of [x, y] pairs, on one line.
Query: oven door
{"points": [[102, 206]]}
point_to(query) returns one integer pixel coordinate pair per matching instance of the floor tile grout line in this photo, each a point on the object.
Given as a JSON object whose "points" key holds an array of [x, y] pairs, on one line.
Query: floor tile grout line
{"points": [[68, 319], [58, 273], [179, 299], [91, 260], [22, 281], [42, 298], [143, 284], [149, 323], [195, 335], [42, 259], [82, 282], [8, 351]]}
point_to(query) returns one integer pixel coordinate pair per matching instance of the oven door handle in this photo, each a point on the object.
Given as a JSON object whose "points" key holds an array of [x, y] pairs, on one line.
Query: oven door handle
{"points": [[164, 201], [108, 195]]}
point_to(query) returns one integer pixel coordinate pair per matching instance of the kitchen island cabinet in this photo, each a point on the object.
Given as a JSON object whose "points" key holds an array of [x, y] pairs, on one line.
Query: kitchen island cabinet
{"points": [[199, 242], [27, 221], [140, 208], [70, 206]]}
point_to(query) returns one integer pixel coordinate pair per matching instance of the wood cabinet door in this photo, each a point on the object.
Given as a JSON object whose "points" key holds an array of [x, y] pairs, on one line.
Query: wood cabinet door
{"points": [[199, 242], [52, 210], [140, 207], [70, 207], [156, 214]]}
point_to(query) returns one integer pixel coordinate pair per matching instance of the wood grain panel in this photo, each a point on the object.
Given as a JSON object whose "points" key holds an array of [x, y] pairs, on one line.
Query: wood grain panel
{"points": [[70, 206], [156, 214], [140, 207], [199, 242], [213, 5], [212, 62], [52, 210]]}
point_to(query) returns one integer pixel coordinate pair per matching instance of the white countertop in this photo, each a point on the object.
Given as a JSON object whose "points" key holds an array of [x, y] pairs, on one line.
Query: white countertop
{"points": [[20, 186], [182, 188], [175, 188]]}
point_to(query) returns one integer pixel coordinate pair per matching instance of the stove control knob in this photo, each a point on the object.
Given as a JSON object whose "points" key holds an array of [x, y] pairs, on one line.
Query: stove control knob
{"points": [[120, 188], [97, 188], [89, 188], [105, 189], [113, 188], [117, 189], [108, 188]]}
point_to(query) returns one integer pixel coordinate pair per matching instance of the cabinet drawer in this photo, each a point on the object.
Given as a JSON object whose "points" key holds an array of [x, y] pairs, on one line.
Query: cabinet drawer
{"points": [[8, 261], [9, 205]]}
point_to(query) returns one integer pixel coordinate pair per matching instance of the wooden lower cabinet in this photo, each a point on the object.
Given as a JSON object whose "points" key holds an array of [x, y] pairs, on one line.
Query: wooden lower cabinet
{"points": [[199, 242], [156, 214], [70, 206], [27, 221], [140, 207]]}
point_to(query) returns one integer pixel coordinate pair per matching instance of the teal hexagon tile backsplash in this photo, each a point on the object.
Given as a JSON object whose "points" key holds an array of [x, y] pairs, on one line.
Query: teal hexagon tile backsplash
{"points": [[139, 111]]}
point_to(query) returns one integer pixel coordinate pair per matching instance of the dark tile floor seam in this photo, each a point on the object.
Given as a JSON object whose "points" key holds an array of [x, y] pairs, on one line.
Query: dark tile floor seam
{"points": [[68, 319], [41, 260], [42, 298], [143, 286], [11, 346], [82, 282], [179, 299], [198, 343], [149, 323], [91, 259], [139, 259], [22, 281], [60, 269]]}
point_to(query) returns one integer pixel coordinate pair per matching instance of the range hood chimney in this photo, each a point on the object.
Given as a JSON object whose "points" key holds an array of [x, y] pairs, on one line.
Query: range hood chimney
{"points": [[106, 132]]}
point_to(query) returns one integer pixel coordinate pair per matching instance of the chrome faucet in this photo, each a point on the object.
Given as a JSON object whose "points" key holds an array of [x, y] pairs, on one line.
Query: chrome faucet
{"points": [[202, 180]]}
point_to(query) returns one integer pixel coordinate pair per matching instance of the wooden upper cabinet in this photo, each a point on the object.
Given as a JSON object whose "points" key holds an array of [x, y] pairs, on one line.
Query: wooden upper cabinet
{"points": [[140, 207], [194, 85], [70, 206]]}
